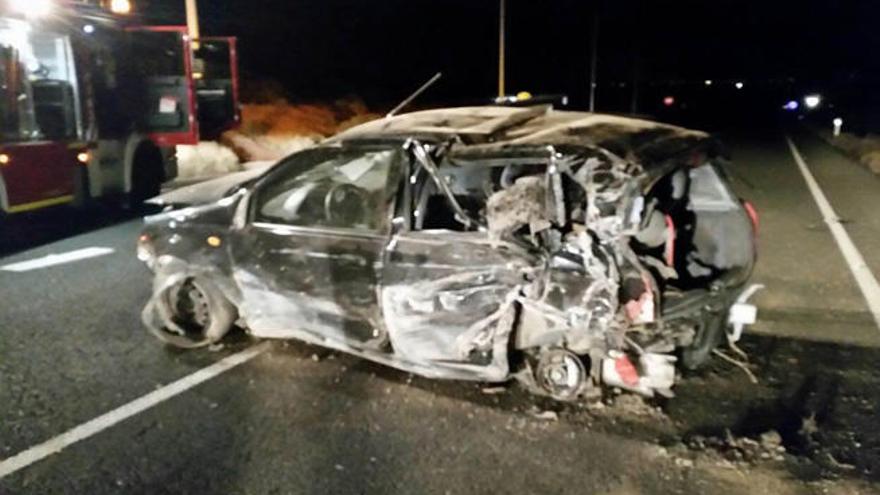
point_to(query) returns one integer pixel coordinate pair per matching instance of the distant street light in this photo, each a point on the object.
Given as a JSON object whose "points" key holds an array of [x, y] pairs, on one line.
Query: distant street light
{"points": [[812, 101], [669, 101], [120, 6], [707, 82], [739, 85]]}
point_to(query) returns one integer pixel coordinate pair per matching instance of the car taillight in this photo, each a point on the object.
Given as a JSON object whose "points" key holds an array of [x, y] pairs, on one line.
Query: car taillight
{"points": [[669, 250], [753, 215]]}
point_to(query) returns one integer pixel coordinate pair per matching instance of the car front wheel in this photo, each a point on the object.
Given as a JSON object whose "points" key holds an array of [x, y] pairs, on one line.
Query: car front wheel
{"points": [[194, 313]]}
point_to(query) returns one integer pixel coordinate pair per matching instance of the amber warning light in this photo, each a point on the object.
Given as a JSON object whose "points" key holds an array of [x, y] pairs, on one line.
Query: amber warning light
{"points": [[120, 6]]}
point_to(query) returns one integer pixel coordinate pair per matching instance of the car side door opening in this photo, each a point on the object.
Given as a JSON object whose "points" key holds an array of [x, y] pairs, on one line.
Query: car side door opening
{"points": [[448, 291], [309, 257]]}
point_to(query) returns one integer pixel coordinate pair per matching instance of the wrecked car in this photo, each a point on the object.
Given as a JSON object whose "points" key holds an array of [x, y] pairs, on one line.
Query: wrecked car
{"points": [[570, 251]]}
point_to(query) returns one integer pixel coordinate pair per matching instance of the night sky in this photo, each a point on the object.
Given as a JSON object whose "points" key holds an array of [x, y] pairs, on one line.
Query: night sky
{"points": [[380, 50]]}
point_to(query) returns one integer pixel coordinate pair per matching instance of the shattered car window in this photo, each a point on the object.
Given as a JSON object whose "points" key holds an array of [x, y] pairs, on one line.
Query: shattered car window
{"points": [[348, 189], [472, 186], [708, 192]]}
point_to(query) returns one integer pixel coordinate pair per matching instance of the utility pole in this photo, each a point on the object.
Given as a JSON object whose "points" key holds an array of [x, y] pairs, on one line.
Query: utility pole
{"points": [[634, 96], [192, 19], [502, 21], [594, 57], [635, 47]]}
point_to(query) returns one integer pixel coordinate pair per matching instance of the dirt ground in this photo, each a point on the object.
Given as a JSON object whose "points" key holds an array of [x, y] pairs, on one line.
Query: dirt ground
{"points": [[863, 149]]}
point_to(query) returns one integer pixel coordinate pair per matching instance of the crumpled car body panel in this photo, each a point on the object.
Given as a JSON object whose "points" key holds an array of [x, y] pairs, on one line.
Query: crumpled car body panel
{"points": [[566, 250]]}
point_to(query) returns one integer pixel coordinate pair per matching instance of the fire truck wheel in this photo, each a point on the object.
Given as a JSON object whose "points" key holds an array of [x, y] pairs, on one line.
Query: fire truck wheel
{"points": [[146, 175], [83, 192]]}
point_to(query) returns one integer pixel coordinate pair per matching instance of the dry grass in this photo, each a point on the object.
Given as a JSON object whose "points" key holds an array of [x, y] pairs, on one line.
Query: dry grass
{"points": [[864, 149], [271, 131], [284, 119]]}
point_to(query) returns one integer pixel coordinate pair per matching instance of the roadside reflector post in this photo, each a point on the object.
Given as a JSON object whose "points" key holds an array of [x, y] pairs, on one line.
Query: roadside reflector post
{"points": [[838, 126]]}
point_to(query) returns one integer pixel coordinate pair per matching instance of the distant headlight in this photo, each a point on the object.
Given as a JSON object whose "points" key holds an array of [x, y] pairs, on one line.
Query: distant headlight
{"points": [[812, 101]]}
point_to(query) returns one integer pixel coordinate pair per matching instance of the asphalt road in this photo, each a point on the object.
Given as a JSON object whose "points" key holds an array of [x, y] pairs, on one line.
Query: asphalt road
{"points": [[297, 419]]}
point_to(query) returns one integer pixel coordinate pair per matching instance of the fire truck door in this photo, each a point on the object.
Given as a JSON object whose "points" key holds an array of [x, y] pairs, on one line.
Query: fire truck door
{"points": [[217, 86], [160, 84]]}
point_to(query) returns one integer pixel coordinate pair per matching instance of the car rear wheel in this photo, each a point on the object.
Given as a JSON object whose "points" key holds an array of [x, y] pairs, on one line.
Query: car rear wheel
{"points": [[561, 374], [195, 314]]}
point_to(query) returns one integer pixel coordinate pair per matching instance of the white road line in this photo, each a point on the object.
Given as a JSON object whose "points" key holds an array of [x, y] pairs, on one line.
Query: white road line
{"points": [[103, 422], [57, 259], [860, 270]]}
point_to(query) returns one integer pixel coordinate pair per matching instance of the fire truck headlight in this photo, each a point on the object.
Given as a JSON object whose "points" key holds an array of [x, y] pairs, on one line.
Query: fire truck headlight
{"points": [[84, 157], [120, 6], [31, 8], [5, 159]]}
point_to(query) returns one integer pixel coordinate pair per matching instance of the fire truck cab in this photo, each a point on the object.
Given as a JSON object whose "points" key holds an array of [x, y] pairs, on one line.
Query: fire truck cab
{"points": [[93, 105]]}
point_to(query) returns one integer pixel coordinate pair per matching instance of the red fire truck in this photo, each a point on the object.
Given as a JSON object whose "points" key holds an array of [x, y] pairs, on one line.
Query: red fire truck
{"points": [[92, 104]]}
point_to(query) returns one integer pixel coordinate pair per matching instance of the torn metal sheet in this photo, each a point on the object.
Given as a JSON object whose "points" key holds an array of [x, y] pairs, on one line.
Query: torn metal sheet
{"points": [[568, 251]]}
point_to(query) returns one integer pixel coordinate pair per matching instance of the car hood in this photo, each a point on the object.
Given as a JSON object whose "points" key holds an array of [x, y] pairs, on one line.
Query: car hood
{"points": [[210, 190]]}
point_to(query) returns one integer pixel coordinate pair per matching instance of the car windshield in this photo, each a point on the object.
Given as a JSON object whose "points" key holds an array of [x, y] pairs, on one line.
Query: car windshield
{"points": [[345, 189]]}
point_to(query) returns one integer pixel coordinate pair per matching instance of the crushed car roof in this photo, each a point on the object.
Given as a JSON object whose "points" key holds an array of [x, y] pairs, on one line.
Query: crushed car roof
{"points": [[492, 129]]}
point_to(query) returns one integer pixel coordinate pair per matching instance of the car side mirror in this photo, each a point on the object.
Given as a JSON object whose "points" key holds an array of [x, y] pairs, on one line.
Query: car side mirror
{"points": [[240, 218]]}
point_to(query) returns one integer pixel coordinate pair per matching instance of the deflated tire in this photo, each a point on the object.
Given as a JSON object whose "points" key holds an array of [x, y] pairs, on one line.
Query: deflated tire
{"points": [[192, 313]]}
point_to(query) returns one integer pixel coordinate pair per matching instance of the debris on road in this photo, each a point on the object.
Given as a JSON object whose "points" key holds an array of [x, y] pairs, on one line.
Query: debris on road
{"points": [[768, 446], [544, 415]]}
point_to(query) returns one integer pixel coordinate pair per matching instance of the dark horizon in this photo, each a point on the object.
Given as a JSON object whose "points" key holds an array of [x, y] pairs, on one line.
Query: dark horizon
{"points": [[381, 51]]}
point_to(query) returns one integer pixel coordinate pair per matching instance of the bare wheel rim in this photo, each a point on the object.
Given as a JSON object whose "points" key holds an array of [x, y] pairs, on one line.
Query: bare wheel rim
{"points": [[561, 374], [190, 310]]}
